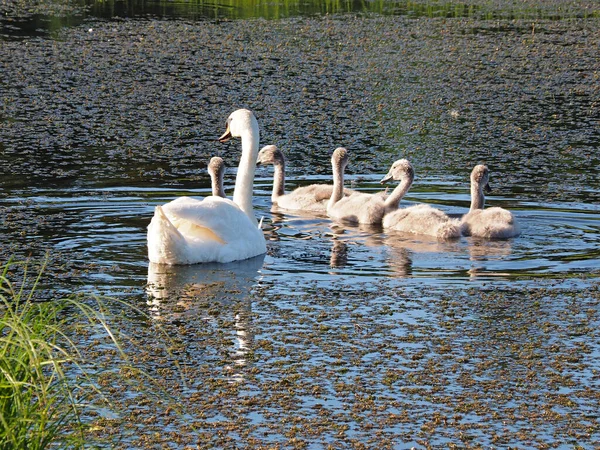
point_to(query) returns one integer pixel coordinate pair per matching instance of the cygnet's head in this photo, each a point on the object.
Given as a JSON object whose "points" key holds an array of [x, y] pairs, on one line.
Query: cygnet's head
{"points": [[270, 154], [216, 167], [480, 176], [339, 158], [400, 170], [238, 123]]}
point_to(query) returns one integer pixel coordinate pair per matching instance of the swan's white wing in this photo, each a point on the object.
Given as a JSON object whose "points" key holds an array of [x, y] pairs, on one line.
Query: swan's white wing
{"points": [[215, 229], [211, 218]]}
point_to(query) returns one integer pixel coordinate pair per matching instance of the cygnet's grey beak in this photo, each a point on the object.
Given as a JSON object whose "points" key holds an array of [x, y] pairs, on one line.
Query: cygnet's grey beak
{"points": [[487, 188], [387, 178]]}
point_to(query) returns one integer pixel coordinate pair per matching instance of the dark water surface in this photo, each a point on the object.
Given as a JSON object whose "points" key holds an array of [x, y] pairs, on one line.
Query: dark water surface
{"points": [[341, 336]]}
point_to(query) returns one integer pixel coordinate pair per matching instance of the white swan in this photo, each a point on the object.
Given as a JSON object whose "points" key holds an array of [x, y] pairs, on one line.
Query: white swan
{"points": [[215, 229], [313, 197], [490, 223], [421, 218], [216, 170], [361, 207]]}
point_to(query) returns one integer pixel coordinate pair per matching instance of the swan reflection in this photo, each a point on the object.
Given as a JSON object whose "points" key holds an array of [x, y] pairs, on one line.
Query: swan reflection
{"points": [[180, 293], [400, 261]]}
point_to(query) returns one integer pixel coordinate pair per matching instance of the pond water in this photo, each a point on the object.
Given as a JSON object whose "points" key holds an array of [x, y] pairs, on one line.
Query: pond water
{"points": [[339, 336]]}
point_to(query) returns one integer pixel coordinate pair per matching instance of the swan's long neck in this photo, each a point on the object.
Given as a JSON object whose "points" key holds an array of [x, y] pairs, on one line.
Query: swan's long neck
{"points": [[244, 182], [477, 197], [338, 185], [393, 200], [278, 180]]}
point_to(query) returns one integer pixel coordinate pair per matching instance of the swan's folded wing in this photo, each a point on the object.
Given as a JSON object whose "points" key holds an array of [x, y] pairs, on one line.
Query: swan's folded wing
{"points": [[213, 218]]}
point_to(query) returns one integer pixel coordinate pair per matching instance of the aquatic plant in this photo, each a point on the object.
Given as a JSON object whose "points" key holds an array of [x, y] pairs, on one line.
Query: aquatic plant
{"points": [[46, 383]]}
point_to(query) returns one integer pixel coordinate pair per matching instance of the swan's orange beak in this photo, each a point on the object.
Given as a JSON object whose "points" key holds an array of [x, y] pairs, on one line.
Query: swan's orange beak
{"points": [[226, 136]]}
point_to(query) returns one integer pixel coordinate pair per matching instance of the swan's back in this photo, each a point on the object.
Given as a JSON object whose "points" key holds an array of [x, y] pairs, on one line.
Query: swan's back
{"points": [[165, 242], [306, 198], [490, 223], [423, 219], [190, 231]]}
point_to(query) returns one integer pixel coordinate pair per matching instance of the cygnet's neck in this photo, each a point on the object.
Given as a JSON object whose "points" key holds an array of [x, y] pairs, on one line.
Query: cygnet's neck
{"points": [[278, 179], [244, 182], [393, 200], [338, 185], [477, 197], [217, 173], [217, 186]]}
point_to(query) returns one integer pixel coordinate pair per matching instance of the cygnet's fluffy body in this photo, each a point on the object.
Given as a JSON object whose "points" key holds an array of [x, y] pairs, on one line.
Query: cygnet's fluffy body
{"points": [[418, 219], [312, 198], [423, 219], [362, 207], [490, 223]]}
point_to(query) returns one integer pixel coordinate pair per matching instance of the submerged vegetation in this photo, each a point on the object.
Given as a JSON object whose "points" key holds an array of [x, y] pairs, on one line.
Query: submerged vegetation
{"points": [[51, 385]]}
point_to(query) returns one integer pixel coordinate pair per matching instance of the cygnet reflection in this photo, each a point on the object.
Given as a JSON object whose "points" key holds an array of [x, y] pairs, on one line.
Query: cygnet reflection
{"points": [[484, 249], [483, 253], [339, 253], [403, 248], [343, 237]]}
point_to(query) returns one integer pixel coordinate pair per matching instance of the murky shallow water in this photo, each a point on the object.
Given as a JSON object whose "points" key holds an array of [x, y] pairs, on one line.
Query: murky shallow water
{"points": [[339, 336]]}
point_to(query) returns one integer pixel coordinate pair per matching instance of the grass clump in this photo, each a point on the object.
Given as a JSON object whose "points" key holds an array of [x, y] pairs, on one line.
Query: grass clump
{"points": [[44, 384]]}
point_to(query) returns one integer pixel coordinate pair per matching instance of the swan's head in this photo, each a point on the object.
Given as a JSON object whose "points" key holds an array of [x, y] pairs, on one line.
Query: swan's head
{"points": [[400, 170], [339, 159], [216, 167], [239, 123], [480, 176], [270, 154]]}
